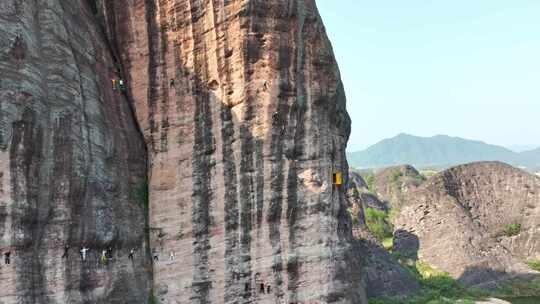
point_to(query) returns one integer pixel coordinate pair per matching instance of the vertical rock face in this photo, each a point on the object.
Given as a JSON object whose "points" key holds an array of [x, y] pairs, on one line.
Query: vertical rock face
{"points": [[71, 161], [243, 113]]}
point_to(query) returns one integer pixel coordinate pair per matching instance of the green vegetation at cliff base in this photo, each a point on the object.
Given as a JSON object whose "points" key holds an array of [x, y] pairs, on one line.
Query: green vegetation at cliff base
{"points": [[437, 287], [378, 223]]}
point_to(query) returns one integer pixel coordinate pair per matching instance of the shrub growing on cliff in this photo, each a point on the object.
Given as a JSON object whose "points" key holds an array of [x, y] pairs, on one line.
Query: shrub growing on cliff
{"points": [[369, 178], [512, 229], [153, 300], [377, 223], [394, 178], [388, 243], [354, 218], [534, 264]]}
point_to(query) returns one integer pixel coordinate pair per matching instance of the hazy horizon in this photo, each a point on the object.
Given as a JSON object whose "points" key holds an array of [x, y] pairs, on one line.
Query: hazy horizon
{"points": [[515, 148], [460, 68]]}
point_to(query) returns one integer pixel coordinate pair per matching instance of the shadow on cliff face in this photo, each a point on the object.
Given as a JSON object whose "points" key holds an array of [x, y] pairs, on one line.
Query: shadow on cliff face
{"points": [[406, 244]]}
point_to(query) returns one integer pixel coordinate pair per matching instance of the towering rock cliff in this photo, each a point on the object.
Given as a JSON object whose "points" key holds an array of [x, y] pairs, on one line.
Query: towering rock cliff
{"points": [[243, 114], [71, 161], [242, 126]]}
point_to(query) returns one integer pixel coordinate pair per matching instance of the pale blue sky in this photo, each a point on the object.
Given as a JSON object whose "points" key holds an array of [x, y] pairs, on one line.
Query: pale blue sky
{"points": [[468, 68]]}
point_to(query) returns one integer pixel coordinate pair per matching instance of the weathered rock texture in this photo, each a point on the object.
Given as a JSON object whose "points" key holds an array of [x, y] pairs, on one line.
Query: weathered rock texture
{"points": [[381, 273], [459, 217], [71, 161], [243, 113], [356, 182], [394, 184]]}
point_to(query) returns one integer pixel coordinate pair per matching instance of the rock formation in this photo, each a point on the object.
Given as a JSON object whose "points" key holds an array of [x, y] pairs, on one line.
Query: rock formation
{"points": [[356, 182], [488, 213], [393, 184], [243, 113], [71, 162], [233, 109], [381, 273]]}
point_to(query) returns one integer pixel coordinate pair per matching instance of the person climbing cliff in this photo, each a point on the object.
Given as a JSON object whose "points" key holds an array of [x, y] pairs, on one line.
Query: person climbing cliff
{"points": [[7, 255], [131, 253], [110, 253], [84, 250], [113, 84], [121, 84], [156, 256], [275, 117], [172, 256], [66, 251], [103, 258]]}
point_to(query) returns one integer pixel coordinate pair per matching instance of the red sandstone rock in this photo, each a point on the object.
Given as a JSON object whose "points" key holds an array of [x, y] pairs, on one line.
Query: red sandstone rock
{"points": [[243, 113], [71, 161], [242, 110]]}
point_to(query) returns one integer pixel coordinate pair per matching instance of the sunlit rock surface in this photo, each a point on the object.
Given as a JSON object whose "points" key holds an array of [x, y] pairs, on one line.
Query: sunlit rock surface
{"points": [[71, 161], [243, 114]]}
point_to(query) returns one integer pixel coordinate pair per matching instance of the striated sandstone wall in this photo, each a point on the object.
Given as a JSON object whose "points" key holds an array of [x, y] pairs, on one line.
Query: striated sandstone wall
{"points": [[243, 113], [71, 161]]}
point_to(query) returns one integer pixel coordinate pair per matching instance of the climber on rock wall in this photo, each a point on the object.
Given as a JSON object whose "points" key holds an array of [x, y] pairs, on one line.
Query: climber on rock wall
{"points": [[275, 117], [121, 84], [104, 256], [66, 251], [7, 257], [110, 253], [113, 84], [131, 253], [84, 250]]}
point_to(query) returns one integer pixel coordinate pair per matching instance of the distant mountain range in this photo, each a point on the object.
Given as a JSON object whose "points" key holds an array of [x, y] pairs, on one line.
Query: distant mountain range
{"points": [[521, 148], [437, 151]]}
